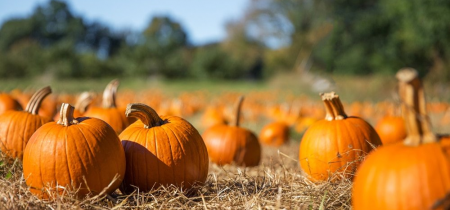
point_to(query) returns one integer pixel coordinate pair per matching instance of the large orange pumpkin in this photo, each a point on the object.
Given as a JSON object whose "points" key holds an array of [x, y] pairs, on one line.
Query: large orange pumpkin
{"points": [[82, 154], [231, 143], [7, 102], [109, 111], [164, 150], [337, 143], [413, 174], [16, 127]]}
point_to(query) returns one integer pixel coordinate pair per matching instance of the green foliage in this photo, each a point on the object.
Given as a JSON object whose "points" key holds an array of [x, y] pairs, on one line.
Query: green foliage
{"points": [[340, 37]]}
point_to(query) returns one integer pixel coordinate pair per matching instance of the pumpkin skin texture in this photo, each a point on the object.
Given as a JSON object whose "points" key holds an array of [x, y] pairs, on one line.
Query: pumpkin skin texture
{"points": [[230, 143], [402, 177], [109, 111], [162, 150], [335, 144], [274, 134], [391, 129], [7, 102], [16, 127], [66, 151]]}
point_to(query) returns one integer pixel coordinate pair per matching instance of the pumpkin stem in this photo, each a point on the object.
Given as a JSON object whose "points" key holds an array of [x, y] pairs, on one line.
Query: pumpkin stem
{"points": [[83, 101], [109, 95], [414, 112], [145, 113], [238, 111], [66, 115], [333, 106], [36, 100]]}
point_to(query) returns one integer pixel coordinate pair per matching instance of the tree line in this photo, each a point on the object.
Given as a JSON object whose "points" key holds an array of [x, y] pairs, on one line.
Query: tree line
{"points": [[340, 37]]}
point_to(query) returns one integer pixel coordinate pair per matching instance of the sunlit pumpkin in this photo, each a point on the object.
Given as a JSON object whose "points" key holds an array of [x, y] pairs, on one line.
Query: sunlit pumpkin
{"points": [[109, 112], [231, 143], [162, 150], [274, 134], [391, 129], [16, 127], [82, 154], [337, 143], [7, 102], [413, 174]]}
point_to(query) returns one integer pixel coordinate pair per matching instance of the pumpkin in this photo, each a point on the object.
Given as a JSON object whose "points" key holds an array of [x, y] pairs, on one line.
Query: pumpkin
{"points": [[16, 127], [162, 150], [84, 100], [413, 174], [109, 111], [7, 102], [82, 154], [231, 143], [335, 144], [275, 134], [391, 129]]}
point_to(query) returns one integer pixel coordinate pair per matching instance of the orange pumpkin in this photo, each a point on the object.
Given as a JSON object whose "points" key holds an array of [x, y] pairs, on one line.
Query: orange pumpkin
{"points": [[337, 143], [84, 100], [16, 127], [82, 154], [231, 143], [109, 111], [275, 134], [7, 102], [164, 150], [413, 174], [391, 129]]}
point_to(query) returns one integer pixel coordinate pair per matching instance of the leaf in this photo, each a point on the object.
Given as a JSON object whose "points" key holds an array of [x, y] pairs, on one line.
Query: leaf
{"points": [[2, 163], [8, 175]]}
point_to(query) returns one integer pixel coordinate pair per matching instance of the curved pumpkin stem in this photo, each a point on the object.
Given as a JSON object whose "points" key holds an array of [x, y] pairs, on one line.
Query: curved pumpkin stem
{"points": [[83, 101], [414, 112], [66, 115], [238, 111], [333, 106], [109, 95], [145, 113], [36, 100]]}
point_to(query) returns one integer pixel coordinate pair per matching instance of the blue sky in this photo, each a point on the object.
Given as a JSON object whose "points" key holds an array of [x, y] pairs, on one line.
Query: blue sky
{"points": [[204, 20]]}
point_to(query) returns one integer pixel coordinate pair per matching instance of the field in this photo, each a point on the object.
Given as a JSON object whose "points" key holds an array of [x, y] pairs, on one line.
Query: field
{"points": [[277, 183]]}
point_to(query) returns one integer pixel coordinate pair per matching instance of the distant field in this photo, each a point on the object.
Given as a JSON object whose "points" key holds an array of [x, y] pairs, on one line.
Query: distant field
{"points": [[350, 88]]}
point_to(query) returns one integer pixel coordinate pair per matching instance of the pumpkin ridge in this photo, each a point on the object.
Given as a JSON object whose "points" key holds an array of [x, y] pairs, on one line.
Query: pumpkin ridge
{"points": [[91, 153], [138, 134], [171, 156], [40, 168], [23, 144], [356, 155], [146, 154], [182, 149], [231, 147], [156, 154]]}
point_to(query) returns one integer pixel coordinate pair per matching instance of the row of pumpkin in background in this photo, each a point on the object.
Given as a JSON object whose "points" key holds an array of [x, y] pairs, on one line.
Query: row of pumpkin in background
{"points": [[169, 150]]}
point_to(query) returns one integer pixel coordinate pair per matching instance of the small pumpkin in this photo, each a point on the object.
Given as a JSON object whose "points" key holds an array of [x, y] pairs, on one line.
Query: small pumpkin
{"points": [[232, 143], [337, 143], [82, 154], [275, 134], [413, 174], [7, 102], [162, 150], [109, 111], [16, 127], [391, 129]]}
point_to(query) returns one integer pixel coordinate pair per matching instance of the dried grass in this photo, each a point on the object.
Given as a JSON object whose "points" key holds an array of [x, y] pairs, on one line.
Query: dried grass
{"points": [[277, 183]]}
